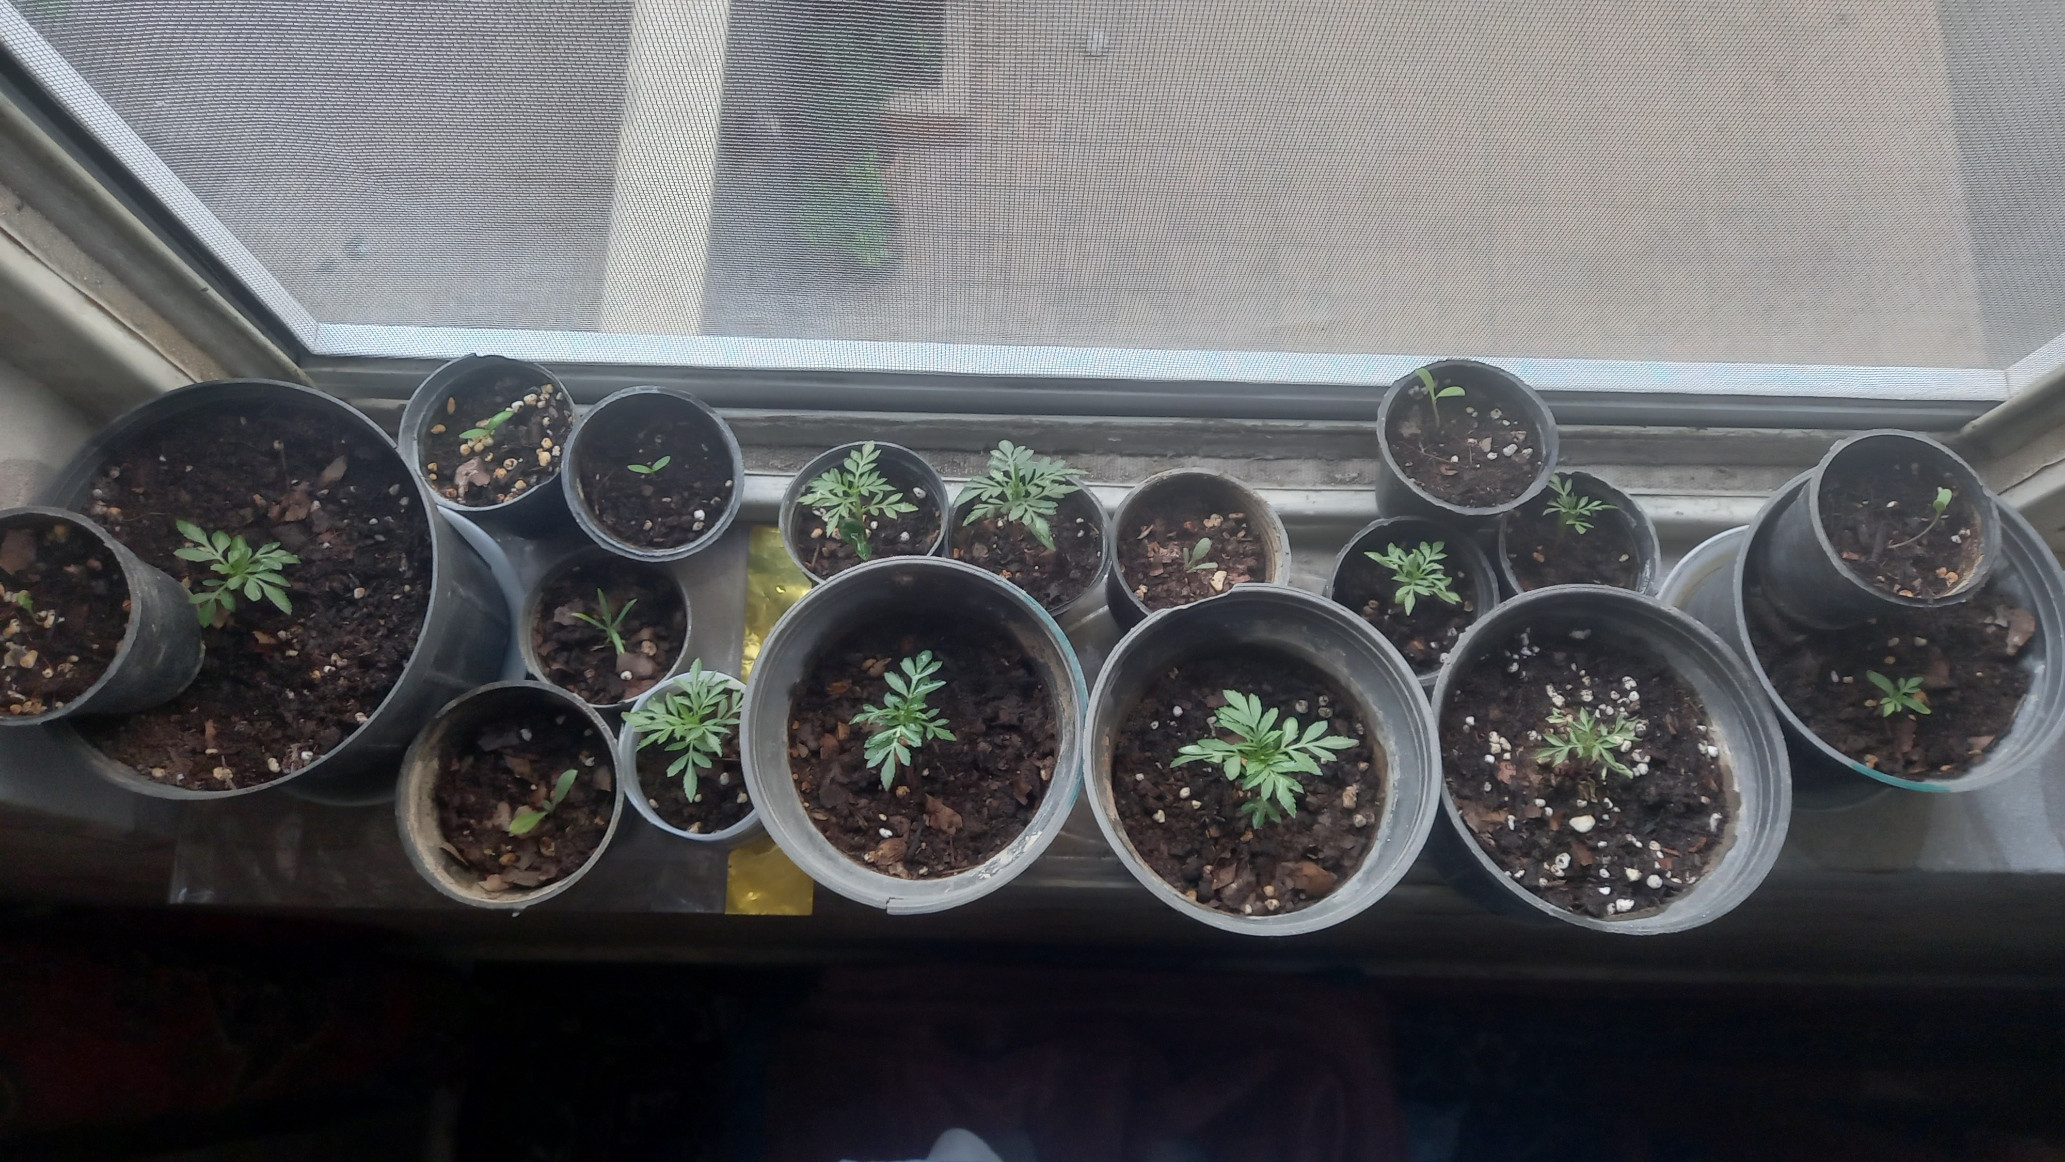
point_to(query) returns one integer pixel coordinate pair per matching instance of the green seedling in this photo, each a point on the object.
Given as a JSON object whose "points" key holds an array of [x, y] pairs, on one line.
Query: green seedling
{"points": [[903, 722], [1436, 394], [21, 597], [1194, 556], [255, 573], [694, 717], [1937, 508], [649, 469], [1021, 488], [1264, 755], [1905, 694], [1572, 511], [1588, 740], [527, 820], [1418, 572], [847, 497], [487, 426], [611, 624]]}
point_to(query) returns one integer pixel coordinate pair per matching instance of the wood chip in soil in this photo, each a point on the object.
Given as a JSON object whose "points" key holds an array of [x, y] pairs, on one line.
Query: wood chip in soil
{"points": [[64, 607], [521, 455], [1054, 577], [1542, 552], [909, 535], [1875, 515], [675, 506], [510, 762], [721, 798], [1478, 455], [1151, 553], [580, 658], [1431, 630]]}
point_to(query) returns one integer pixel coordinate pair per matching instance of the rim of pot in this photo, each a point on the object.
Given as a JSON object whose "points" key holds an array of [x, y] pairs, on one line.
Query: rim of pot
{"points": [[1484, 580], [787, 517], [534, 599], [1752, 744], [1984, 506], [627, 765], [1410, 801], [576, 496], [1640, 529], [415, 809], [1500, 380], [1276, 543], [420, 413], [772, 784], [963, 501]]}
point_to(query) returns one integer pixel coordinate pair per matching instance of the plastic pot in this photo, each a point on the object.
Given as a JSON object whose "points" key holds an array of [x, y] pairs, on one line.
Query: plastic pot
{"points": [[895, 462], [460, 643], [627, 765], [1354, 657], [1218, 494], [415, 809], [539, 509], [160, 651], [929, 587], [533, 602], [1741, 723], [1625, 513], [635, 407], [1076, 504], [1720, 598], [1461, 549], [1485, 387], [1809, 582]]}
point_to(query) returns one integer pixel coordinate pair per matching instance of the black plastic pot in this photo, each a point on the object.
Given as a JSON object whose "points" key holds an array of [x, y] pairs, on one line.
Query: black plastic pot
{"points": [[894, 461], [1742, 724], [533, 600], [1216, 491], [1808, 580], [634, 407], [538, 510], [1076, 504], [1484, 584], [1485, 387], [160, 650], [1625, 513], [464, 633]]}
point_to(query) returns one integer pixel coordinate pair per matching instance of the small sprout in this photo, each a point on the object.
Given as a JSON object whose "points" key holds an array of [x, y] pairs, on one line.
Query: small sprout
{"points": [[649, 469], [1905, 694], [1264, 756], [903, 720], [487, 426], [240, 569], [21, 597], [1194, 556], [695, 716], [1937, 507], [1020, 487], [846, 497], [611, 624], [527, 820], [1435, 394], [1572, 511], [1419, 573], [1589, 740]]}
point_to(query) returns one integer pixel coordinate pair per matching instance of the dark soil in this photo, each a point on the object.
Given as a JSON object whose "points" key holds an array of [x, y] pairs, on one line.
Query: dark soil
{"points": [[1150, 554], [1426, 634], [510, 763], [1054, 577], [64, 608], [1186, 822], [1869, 509], [524, 453], [1589, 841], [967, 798], [667, 509], [909, 535], [1479, 455], [1964, 654], [578, 657], [1541, 552], [721, 798], [276, 690]]}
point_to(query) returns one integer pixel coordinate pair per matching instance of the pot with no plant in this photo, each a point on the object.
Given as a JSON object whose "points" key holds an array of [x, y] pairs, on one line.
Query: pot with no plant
{"points": [[1263, 762], [1029, 520], [1607, 762], [509, 795], [85, 626], [604, 628], [653, 474], [489, 436], [861, 502], [1583, 531], [336, 611], [1419, 583], [1460, 440], [680, 747], [912, 733], [1186, 535]]}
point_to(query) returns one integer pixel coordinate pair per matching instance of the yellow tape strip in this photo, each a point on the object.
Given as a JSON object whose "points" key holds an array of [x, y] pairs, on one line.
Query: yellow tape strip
{"points": [[759, 879]]}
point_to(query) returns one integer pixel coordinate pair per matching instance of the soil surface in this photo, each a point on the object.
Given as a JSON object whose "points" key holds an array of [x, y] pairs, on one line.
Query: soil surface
{"points": [[1877, 516], [1588, 840], [523, 453], [721, 798], [1426, 634], [509, 763], [667, 509], [64, 608], [1150, 554], [276, 690], [579, 657], [909, 535], [1054, 577], [1185, 821], [967, 798], [1542, 552], [1479, 455], [1964, 654]]}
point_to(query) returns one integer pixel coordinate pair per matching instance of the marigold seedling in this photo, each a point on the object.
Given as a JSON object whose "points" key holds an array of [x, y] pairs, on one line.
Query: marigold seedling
{"points": [[1896, 696], [649, 469], [1436, 394], [1418, 572], [1194, 556], [903, 722], [1022, 488], [1264, 755], [1937, 508], [526, 821], [1572, 510], [694, 717], [847, 497], [255, 573], [487, 426], [21, 597], [611, 624], [1591, 741]]}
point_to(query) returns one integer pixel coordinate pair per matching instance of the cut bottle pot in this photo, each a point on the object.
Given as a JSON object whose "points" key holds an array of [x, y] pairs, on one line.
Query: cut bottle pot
{"points": [[627, 764], [1077, 505], [904, 469], [626, 414], [1353, 572], [1190, 496], [1486, 388], [542, 507], [1625, 516]]}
